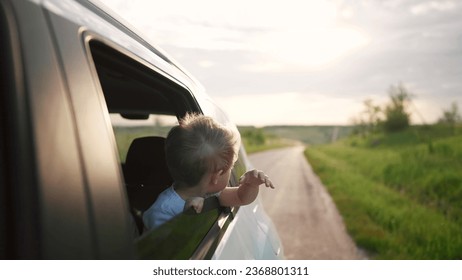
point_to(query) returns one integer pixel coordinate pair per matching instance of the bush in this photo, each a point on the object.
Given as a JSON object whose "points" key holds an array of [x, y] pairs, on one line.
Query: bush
{"points": [[396, 115]]}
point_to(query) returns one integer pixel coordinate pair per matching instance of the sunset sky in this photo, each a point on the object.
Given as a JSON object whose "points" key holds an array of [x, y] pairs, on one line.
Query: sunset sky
{"points": [[313, 61]]}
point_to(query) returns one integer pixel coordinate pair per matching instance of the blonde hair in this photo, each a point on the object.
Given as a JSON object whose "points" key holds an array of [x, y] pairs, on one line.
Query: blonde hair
{"points": [[199, 145]]}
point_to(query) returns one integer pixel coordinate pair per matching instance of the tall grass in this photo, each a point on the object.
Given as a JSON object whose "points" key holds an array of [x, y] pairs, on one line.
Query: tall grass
{"points": [[400, 195]]}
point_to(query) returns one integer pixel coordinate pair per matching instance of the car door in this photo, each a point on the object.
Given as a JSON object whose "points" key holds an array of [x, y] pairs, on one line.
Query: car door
{"points": [[46, 208]]}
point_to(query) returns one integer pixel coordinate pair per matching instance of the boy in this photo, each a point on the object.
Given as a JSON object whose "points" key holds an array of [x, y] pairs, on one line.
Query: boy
{"points": [[200, 155]]}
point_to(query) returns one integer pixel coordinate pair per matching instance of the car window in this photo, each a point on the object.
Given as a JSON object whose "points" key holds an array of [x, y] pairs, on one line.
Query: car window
{"points": [[143, 103], [126, 130]]}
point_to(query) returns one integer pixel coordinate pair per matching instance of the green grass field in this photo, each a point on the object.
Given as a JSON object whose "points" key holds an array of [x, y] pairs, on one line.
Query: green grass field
{"points": [[253, 139], [401, 194], [312, 135]]}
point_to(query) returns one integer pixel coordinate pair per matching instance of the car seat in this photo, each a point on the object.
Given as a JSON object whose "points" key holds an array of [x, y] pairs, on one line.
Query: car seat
{"points": [[146, 174]]}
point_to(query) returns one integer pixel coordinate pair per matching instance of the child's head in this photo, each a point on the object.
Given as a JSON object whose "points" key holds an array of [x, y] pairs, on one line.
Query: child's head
{"points": [[199, 146]]}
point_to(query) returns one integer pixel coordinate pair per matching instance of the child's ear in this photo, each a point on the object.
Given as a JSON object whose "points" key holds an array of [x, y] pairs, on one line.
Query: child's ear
{"points": [[215, 176]]}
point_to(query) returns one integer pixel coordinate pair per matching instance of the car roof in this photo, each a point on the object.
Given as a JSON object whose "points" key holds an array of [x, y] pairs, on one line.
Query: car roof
{"points": [[98, 19]]}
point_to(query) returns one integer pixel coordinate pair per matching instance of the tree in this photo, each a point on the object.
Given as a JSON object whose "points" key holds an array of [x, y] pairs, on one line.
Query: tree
{"points": [[359, 126], [451, 116], [396, 116], [368, 120], [372, 115]]}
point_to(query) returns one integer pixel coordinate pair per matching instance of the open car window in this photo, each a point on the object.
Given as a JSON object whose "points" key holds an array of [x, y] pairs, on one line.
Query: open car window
{"points": [[143, 105], [125, 131]]}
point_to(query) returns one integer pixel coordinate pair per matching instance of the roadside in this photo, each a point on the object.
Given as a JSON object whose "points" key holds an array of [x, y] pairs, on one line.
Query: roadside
{"points": [[399, 194]]}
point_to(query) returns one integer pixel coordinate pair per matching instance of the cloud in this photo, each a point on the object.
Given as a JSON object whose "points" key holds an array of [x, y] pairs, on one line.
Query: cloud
{"points": [[346, 50], [297, 34], [306, 48], [426, 7]]}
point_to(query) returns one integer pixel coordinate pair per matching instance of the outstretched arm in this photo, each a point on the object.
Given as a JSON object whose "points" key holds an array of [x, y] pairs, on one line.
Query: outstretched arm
{"points": [[247, 190]]}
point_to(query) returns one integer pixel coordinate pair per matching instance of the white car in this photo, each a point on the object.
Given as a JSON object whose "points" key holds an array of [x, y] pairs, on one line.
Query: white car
{"points": [[77, 86]]}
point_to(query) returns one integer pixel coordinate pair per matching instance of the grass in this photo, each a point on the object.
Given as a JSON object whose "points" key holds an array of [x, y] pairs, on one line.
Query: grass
{"points": [[257, 140], [254, 140], [400, 195], [307, 134], [124, 136], [311, 135], [268, 145]]}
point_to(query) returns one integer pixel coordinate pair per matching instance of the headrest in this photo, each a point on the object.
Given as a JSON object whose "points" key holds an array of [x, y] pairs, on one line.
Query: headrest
{"points": [[146, 173]]}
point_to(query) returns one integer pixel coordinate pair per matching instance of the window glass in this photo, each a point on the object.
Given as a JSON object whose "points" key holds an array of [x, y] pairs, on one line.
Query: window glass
{"points": [[126, 130], [182, 236]]}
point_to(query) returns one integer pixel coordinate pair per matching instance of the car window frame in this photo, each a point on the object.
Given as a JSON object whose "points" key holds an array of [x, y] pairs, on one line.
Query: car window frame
{"points": [[221, 221]]}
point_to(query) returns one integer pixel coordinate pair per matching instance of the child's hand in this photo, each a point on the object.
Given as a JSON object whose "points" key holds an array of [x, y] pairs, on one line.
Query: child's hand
{"points": [[195, 202], [256, 178]]}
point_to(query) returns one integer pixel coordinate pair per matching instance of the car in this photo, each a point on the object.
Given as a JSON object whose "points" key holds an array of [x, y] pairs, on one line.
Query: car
{"points": [[86, 104]]}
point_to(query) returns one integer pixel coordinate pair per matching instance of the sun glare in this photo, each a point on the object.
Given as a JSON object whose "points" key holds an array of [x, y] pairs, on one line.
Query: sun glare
{"points": [[314, 48], [305, 34]]}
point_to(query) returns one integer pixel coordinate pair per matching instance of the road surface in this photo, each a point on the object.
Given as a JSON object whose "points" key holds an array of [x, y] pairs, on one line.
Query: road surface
{"points": [[303, 212]]}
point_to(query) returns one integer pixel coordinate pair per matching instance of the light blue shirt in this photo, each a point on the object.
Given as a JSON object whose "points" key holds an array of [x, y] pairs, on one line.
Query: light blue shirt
{"points": [[167, 205]]}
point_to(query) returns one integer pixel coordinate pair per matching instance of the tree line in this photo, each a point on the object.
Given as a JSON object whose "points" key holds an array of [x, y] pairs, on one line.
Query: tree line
{"points": [[396, 114]]}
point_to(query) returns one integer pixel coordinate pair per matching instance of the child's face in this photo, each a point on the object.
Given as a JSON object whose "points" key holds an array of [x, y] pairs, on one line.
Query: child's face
{"points": [[222, 182]]}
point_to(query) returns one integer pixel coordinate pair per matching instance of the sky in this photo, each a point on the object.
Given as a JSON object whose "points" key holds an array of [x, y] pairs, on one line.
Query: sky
{"points": [[310, 62]]}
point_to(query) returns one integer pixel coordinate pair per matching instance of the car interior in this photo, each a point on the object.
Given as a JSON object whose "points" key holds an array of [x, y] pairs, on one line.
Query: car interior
{"points": [[136, 92]]}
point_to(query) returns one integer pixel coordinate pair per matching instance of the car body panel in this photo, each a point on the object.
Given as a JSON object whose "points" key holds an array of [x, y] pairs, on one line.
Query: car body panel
{"points": [[48, 103], [76, 184]]}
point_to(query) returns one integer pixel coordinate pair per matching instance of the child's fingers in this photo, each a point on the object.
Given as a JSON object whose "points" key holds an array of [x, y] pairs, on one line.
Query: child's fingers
{"points": [[196, 203], [268, 183], [265, 179], [256, 177], [198, 207]]}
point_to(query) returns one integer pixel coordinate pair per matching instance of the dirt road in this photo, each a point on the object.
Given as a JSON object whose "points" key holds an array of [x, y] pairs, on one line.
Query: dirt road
{"points": [[303, 212]]}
